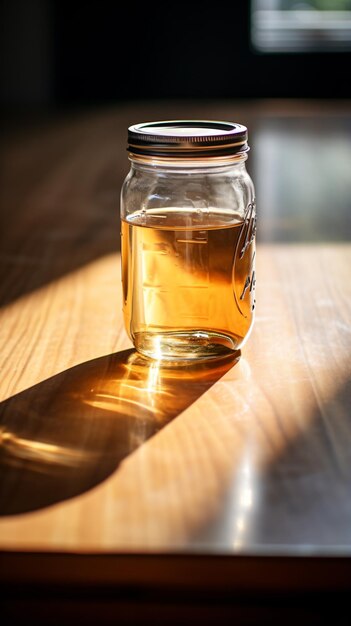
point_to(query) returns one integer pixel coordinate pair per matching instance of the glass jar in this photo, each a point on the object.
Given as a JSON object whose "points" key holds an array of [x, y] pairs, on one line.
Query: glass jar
{"points": [[188, 239]]}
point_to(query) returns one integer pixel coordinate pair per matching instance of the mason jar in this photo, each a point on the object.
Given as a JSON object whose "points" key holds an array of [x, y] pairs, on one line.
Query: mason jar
{"points": [[188, 224]]}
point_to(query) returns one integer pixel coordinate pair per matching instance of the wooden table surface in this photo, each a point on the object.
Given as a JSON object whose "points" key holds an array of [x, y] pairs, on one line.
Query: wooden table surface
{"points": [[245, 462]]}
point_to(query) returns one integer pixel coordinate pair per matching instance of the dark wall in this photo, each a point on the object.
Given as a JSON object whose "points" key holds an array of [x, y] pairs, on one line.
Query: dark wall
{"points": [[56, 52], [26, 52]]}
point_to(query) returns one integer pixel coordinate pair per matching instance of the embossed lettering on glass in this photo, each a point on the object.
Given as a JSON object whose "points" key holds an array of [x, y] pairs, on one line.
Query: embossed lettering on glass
{"points": [[188, 217]]}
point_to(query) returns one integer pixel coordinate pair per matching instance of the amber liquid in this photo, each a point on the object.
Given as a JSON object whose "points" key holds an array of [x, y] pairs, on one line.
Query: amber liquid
{"points": [[188, 282]]}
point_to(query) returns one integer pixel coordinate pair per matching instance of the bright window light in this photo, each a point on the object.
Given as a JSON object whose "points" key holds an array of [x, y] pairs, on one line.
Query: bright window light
{"points": [[301, 25]]}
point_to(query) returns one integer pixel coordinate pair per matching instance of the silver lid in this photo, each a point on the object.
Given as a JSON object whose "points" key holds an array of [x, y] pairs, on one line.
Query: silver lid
{"points": [[187, 138]]}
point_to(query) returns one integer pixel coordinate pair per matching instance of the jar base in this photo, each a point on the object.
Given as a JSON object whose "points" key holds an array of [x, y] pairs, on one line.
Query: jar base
{"points": [[186, 345]]}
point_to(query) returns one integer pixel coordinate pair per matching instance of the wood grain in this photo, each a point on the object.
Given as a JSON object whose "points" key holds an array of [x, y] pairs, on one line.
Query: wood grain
{"points": [[101, 452], [205, 471]]}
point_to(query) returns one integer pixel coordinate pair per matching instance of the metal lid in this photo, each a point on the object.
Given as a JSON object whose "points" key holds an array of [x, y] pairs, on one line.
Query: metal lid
{"points": [[187, 138]]}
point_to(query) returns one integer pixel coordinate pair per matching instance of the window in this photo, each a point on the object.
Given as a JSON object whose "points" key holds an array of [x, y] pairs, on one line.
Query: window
{"points": [[301, 25]]}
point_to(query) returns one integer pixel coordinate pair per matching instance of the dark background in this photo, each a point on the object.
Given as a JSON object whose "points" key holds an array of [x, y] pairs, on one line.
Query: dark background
{"points": [[56, 53]]}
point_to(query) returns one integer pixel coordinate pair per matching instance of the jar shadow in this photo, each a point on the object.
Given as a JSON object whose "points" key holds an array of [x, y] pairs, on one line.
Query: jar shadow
{"points": [[65, 435]]}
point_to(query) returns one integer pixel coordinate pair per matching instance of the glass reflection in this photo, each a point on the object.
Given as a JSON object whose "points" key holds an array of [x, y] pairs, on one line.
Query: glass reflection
{"points": [[40, 452], [153, 390], [243, 505], [70, 432]]}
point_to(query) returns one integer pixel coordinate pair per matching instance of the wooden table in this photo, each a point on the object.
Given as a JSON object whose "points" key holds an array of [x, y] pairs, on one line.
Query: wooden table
{"points": [[204, 492]]}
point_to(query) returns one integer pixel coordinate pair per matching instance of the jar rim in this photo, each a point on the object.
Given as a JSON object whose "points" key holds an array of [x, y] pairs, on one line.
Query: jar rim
{"points": [[187, 138]]}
